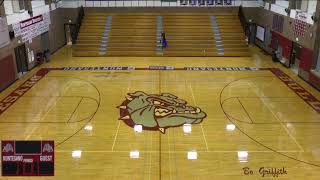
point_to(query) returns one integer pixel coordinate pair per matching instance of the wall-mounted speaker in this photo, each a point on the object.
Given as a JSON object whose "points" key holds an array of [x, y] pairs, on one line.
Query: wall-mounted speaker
{"points": [[11, 34], [30, 13], [314, 18], [287, 10]]}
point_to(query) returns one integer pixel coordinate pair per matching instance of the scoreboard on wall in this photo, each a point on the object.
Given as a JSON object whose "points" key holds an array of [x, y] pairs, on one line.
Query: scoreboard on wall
{"points": [[27, 158]]}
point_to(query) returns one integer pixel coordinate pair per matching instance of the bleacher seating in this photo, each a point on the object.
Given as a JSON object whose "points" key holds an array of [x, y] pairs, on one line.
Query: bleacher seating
{"points": [[188, 34]]}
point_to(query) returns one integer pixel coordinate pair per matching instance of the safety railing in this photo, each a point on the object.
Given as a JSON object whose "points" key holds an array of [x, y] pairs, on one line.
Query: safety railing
{"points": [[76, 27]]}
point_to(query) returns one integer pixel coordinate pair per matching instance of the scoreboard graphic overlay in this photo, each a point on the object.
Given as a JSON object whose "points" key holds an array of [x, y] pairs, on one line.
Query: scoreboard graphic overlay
{"points": [[27, 158]]}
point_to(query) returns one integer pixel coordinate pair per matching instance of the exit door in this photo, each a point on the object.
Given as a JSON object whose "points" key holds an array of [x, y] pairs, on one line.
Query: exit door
{"points": [[21, 59]]}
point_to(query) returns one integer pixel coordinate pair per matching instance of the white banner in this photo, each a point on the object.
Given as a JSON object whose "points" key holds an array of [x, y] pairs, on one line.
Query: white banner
{"points": [[32, 27], [302, 16]]}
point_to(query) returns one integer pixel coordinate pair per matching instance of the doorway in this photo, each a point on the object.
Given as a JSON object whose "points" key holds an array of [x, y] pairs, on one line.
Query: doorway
{"points": [[21, 59], [68, 34], [45, 42], [294, 58]]}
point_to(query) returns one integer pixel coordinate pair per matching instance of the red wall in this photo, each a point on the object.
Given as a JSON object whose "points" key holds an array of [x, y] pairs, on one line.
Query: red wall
{"points": [[285, 43], [7, 71], [305, 59], [305, 56], [314, 80]]}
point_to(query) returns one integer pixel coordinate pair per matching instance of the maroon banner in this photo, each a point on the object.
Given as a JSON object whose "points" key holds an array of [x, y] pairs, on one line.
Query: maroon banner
{"points": [[30, 21]]}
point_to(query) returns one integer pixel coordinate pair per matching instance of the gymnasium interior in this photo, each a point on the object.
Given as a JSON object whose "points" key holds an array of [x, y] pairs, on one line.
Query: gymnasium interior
{"points": [[160, 89]]}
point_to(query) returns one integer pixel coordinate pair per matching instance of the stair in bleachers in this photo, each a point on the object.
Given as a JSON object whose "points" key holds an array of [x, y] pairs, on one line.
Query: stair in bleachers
{"points": [[105, 36], [217, 36], [159, 50], [188, 34]]}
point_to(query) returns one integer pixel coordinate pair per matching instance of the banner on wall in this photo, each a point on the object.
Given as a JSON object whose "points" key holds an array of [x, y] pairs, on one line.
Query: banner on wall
{"points": [[277, 23], [260, 33], [33, 27], [207, 2], [4, 32], [300, 23]]}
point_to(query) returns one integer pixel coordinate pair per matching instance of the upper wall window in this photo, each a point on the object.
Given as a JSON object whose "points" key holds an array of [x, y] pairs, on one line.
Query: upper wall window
{"points": [[17, 6], [300, 5], [282, 3]]}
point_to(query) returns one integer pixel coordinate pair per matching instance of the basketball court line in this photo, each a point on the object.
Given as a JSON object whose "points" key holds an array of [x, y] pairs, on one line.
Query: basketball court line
{"points": [[47, 112], [245, 110], [284, 127], [75, 109], [169, 154], [253, 139], [6, 102], [263, 123], [194, 101], [116, 135], [30, 133], [53, 122], [160, 144], [51, 107], [172, 152], [274, 115], [150, 161]]}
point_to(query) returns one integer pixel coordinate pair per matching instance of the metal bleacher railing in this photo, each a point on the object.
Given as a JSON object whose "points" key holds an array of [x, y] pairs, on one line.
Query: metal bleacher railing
{"points": [[248, 26], [76, 27]]}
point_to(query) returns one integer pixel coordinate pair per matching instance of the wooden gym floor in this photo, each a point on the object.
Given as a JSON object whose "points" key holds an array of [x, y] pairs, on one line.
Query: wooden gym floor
{"points": [[257, 119]]}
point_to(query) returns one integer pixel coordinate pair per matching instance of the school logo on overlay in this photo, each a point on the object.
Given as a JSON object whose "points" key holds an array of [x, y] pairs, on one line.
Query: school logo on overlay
{"points": [[7, 148], [158, 111], [47, 148]]}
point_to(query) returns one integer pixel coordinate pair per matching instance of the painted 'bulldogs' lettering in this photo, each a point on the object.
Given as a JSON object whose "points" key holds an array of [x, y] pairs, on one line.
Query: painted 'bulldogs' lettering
{"points": [[96, 68], [298, 89], [4, 106], [304, 95], [315, 105], [295, 86], [10, 99], [221, 68], [17, 93], [28, 84]]}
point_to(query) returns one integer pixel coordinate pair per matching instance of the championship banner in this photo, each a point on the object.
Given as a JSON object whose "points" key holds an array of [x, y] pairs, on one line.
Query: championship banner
{"points": [[300, 24], [32, 27], [224, 2], [218, 2], [209, 2], [227, 2], [169, 0], [277, 23]]}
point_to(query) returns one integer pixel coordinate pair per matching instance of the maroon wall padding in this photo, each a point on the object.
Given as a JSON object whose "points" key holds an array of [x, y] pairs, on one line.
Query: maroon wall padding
{"points": [[285, 43], [7, 71], [314, 80], [305, 59]]}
